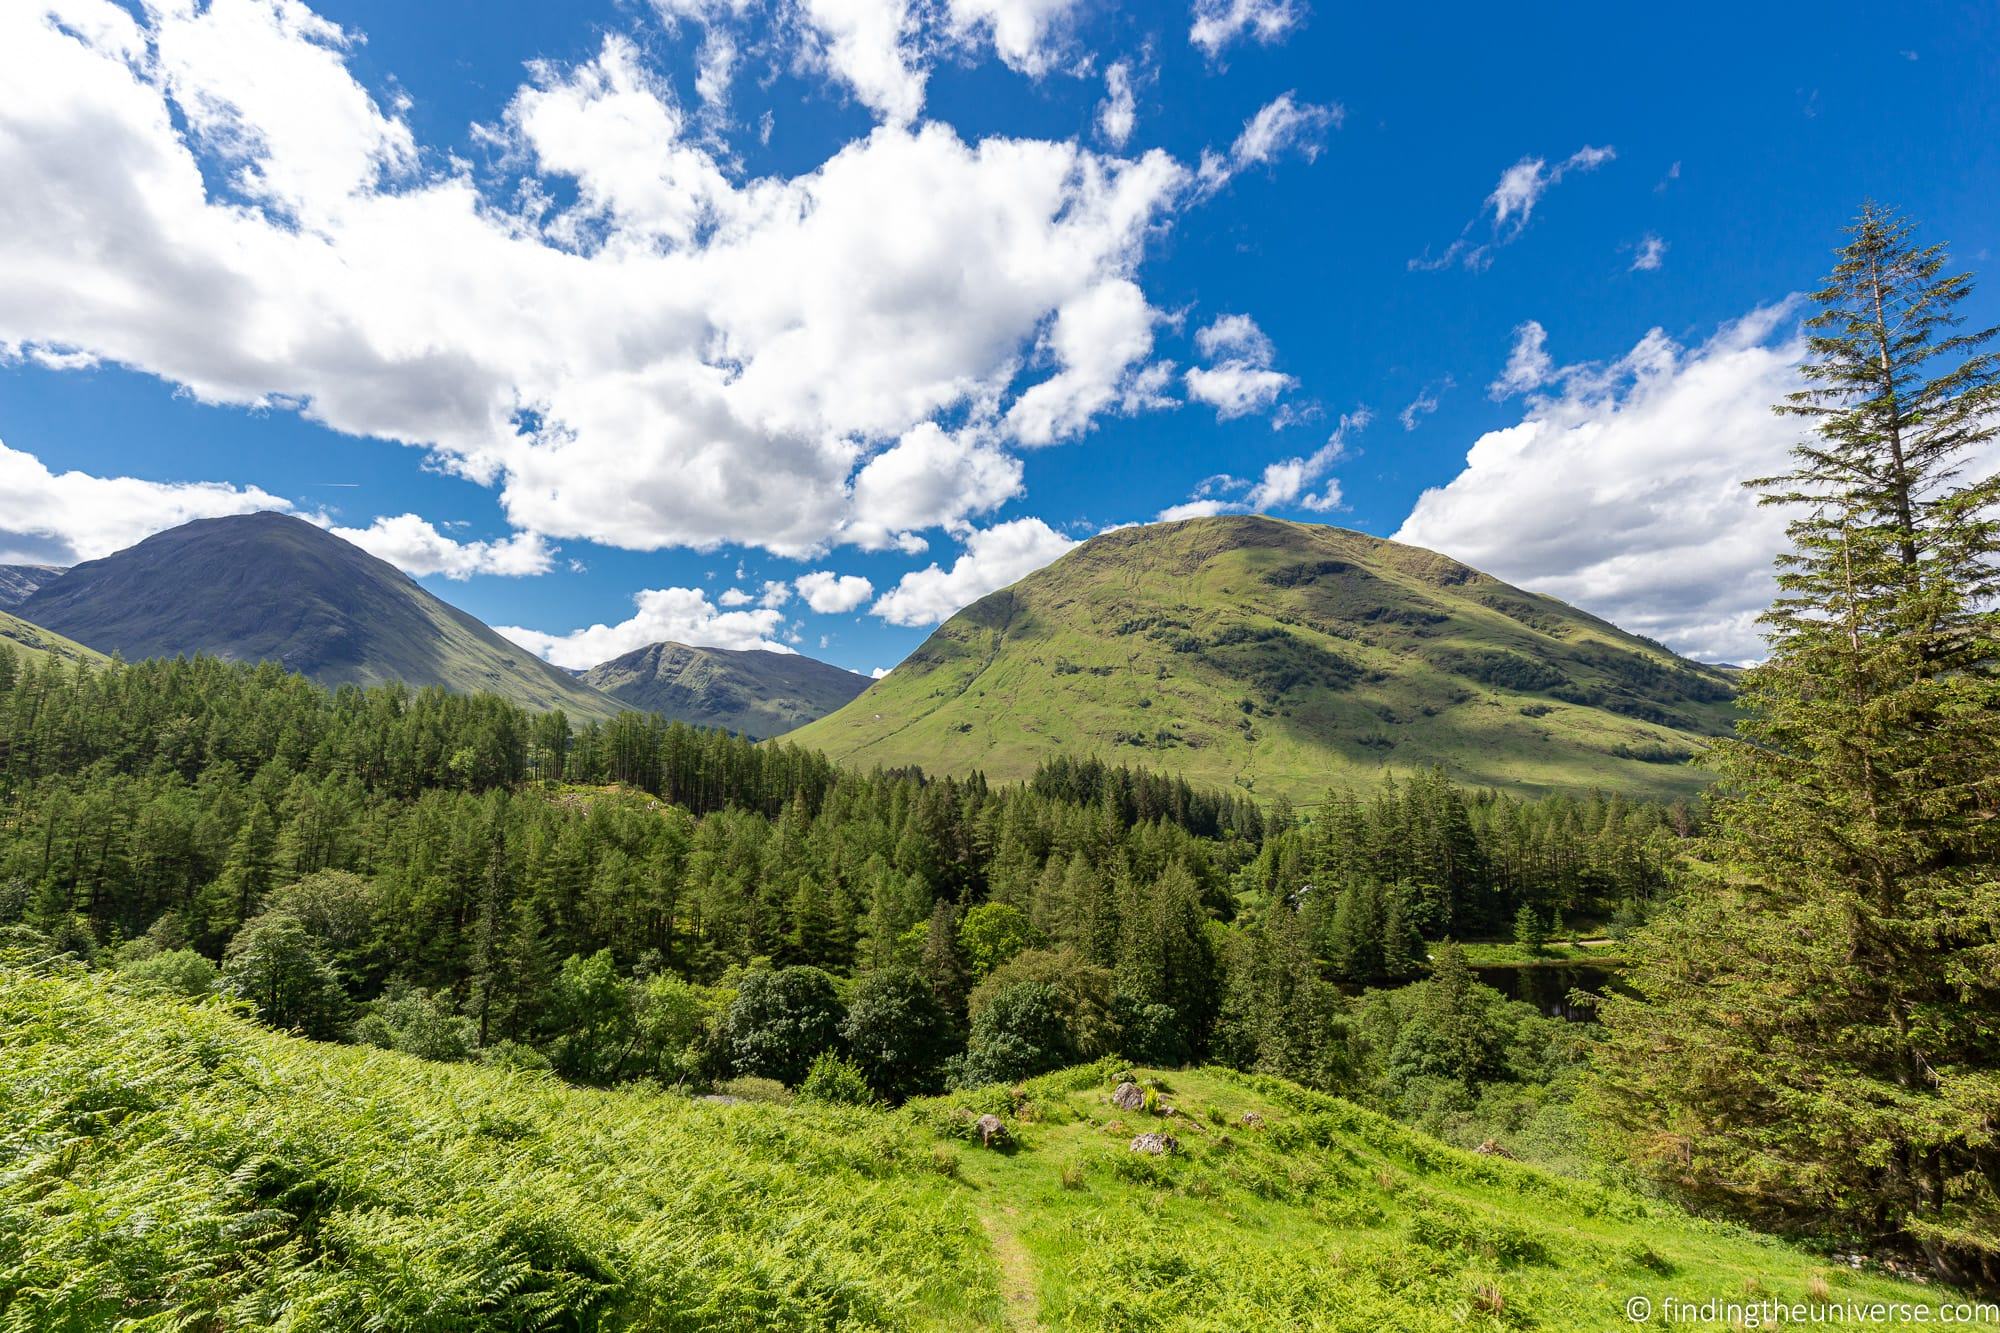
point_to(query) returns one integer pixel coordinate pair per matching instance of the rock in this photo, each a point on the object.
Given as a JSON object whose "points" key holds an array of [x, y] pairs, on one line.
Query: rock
{"points": [[992, 1134], [1251, 1120], [1155, 1144], [720, 1099], [1493, 1149], [1128, 1097]]}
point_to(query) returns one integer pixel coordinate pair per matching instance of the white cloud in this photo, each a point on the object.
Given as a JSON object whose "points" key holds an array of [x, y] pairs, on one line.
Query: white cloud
{"points": [[1289, 482], [1098, 339], [929, 478], [1028, 35], [677, 615], [1217, 23], [1118, 114], [1242, 380], [994, 557], [1528, 365], [1425, 403], [733, 597], [676, 357], [1285, 484], [415, 546], [61, 518], [879, 672], [1623, 493], [872, 46], [774, 594], [1507, 210], [1278, 127], [1652, 254], [833, 594]]}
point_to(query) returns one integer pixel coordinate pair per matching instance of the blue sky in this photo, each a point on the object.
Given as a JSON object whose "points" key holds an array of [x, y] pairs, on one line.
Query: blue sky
{"points": [[625, 333]]}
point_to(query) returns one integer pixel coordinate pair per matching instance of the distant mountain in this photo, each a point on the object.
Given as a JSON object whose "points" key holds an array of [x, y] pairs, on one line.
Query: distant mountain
{"points": [[32, 643], [1286, 658], [18, 582], [268, 587], [760, 694]]}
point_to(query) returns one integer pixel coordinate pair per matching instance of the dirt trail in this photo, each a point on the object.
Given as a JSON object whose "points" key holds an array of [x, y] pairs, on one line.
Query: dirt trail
{"points": [[1017, 1271]]}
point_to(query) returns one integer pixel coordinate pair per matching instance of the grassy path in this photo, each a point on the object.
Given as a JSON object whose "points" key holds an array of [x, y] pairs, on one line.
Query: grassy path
{"points": [[1017, 1270]]}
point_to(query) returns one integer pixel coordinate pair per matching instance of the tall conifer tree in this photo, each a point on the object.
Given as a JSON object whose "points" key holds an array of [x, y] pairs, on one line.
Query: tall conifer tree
{"points": [[1818, 1030]]}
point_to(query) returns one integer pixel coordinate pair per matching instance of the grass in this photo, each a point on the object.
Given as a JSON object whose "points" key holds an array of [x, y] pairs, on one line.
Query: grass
{"points": [[1283, 658], [33, 644], [1506, 953], [167, 1165]]}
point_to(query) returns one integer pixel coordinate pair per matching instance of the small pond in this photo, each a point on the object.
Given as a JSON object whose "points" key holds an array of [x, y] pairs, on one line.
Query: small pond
{"points": [[1547, 986]]}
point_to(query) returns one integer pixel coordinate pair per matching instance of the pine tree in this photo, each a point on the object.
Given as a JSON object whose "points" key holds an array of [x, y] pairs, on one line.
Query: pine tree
{"points": [[1818, 1033]]}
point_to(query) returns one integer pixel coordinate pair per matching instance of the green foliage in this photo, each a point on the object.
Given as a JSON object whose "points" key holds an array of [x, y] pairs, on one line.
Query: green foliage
{"points": [[898, 1034], [181, 972], [834, 1080], [420, 1023], [1022, 1030], [780, 1021], [278, 967], [992, 933]]}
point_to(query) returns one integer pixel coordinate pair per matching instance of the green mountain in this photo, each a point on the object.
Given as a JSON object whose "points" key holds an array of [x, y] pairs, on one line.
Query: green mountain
{"points": [[268, 587], [179, 1166], [18, 582], [32, 643], [1284, 658], [757, 693]]}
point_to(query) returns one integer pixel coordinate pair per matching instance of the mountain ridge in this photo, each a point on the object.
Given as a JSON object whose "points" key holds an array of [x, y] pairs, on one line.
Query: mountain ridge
{"points": [[1284, 658], [754, 691]]}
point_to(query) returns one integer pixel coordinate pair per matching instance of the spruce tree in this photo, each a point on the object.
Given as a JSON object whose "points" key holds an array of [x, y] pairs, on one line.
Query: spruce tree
{"points": [[1817, 1034]]}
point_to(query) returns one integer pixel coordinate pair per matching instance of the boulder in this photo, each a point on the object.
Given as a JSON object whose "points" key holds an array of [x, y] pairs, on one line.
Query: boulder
{"points": [[1491, 1148], [992, 1134], [1156, 1144], [1128, 1097], [1251, 1120]]}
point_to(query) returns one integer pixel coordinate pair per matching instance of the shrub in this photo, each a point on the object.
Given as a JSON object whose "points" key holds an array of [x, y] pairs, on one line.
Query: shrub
{"points": [[281, 970], [837, 1081], [1021, 1032], [175, 971]]}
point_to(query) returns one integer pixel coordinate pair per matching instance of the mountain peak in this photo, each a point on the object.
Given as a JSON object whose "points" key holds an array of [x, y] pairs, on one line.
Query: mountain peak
{"points": [[273, 587], [1285, 657], [755, 691]]}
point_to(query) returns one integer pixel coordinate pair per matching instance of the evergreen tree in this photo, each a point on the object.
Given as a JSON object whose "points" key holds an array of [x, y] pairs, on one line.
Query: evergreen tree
{"points": [[1817, 1033]]}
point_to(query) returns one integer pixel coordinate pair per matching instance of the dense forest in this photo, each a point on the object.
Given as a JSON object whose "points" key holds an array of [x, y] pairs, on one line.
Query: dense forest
{"points": [[457, 877]]}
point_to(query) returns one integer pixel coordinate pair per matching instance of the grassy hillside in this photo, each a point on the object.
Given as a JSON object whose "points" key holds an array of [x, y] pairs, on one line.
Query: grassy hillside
{"points": [[171, 1165], [750, 691], [268, 587], [1282, 657], [33, 643]]}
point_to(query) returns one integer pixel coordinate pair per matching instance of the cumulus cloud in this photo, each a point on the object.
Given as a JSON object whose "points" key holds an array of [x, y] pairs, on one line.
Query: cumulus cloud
{"points": [[1621, 491], [1507, 210], [872, 46], [677, 615], [1118, 114], [1028, 35], [1241, 379], [415, 546], [1218, 23], [993, 558], [1652, 253], [833, 594], [1280, 126], [631, 345], [61, 518]]}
